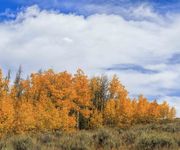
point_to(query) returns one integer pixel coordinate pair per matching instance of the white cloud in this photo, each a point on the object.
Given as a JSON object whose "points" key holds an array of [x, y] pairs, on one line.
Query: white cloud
{"points": [[144, 11], [42, 39]]}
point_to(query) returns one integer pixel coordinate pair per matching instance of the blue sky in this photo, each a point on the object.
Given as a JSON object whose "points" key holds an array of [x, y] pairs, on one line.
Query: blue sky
{"points": [[137, 40], [78, 7], [12, 4]]}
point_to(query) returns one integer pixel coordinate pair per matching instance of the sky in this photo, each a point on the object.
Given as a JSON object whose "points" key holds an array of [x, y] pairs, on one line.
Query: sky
{"points": [[134, 39]]}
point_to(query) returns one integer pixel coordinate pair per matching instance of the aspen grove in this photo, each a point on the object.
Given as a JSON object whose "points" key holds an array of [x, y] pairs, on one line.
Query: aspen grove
{"points": [[49, 101]]}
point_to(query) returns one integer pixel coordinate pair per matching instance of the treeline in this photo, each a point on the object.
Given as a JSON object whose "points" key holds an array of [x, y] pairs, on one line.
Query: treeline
{"points": [[49, 101]]}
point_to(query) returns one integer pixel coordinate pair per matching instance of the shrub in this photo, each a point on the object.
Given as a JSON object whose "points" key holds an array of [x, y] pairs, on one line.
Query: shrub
{"points": [[149, 141], [106, 139], [2, 144], [22, 143], [58, 134], [120, 130], [173, 128], [77, 141], [128, 137], [45, 138], [177, 138], [168, 127]]}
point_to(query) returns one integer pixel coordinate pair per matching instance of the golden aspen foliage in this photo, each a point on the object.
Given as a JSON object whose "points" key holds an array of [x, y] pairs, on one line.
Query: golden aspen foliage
{"points": [[124, 112], [96, 119], [95, 87], [7, 113], [47, 116], [134, 110], [110, 113], [67, 122], [116, 89], [153, 111], [6, 107], [50, 101], [172, 113], [82, 90], [164, 110], [25, 117], [1, 85], [141, 112], [82, 98], [99, 92], [123, 107]]}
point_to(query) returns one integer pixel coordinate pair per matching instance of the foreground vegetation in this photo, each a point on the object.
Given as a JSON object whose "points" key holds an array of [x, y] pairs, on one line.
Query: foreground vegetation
{"points": [[159, 136]]}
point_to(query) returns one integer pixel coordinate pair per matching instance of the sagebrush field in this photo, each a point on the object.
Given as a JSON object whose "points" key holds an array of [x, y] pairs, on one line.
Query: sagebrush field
{"points": [[154, 136]]}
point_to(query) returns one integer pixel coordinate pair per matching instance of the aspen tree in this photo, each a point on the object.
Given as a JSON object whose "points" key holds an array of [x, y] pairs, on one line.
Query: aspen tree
{"points": [[82, 98]]}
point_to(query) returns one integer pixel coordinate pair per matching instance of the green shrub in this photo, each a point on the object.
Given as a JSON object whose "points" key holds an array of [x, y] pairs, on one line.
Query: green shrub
{"points": [[22, 143], [149, 141], [177, 138], [139, 129], [2, 144], [106, 139], [77, 141], [58, 134], [173, 128], [120, 130], [45, 138], [168, 127], [128, 137]]}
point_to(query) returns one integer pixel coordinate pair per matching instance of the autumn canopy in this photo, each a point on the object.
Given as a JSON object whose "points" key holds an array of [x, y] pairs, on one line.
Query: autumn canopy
{"points": [[49, 101]]}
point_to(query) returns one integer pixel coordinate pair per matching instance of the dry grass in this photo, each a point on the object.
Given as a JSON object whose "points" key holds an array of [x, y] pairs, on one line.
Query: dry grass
{"points": [[161, 136]]}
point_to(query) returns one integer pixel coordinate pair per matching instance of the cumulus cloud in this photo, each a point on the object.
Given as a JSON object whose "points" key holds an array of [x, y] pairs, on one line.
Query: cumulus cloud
{"points": [[49, 39]]}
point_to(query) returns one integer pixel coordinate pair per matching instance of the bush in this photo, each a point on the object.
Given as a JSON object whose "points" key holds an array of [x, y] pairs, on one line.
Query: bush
{"points": [[2, 144], [45, 138], [149, 141], [106, 139], [120, 130], [168, 127], [173, 128], [77, 141], [22, 143], [177, 138], [128, 137]]}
